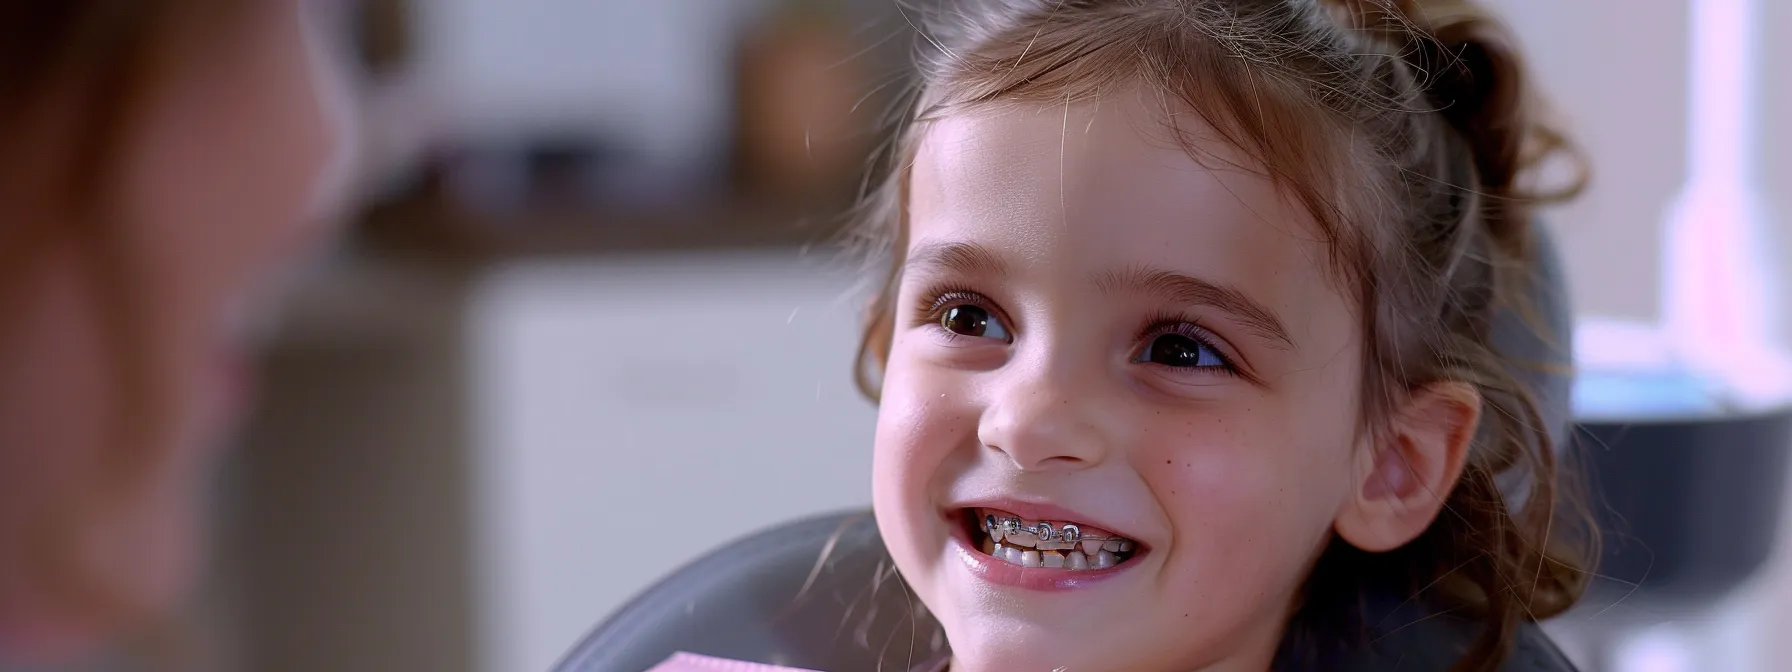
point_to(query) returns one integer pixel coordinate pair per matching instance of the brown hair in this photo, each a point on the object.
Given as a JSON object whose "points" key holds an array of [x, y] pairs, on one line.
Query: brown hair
{"points": [[76, 77], [1407, 129]]}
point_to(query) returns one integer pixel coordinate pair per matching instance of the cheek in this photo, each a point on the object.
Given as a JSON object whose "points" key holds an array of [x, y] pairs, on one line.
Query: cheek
{"points": [[1250, 498], [923, 422], [231, 160], [920, 419]]}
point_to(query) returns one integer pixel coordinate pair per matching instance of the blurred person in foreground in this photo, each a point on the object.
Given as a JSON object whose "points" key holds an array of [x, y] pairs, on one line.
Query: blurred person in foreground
{"points": [[163, 161]]}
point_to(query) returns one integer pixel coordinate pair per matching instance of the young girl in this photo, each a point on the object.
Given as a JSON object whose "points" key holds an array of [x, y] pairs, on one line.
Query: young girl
{"points": [[1183, 353]]}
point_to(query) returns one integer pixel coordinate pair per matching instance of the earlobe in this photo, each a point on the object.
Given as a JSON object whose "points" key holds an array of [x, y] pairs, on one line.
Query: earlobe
{"points": [[1404, 478]]}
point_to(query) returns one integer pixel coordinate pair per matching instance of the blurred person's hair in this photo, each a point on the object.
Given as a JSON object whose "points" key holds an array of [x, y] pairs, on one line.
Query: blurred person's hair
{"points": [[77, 78]]}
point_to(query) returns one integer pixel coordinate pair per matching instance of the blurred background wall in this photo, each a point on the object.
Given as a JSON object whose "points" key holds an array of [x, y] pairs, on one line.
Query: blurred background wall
{"points": [[591, 324]]}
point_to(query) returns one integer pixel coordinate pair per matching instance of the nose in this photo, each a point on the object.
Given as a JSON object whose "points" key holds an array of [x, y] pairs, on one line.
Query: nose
{"points": [[1046, 422]]}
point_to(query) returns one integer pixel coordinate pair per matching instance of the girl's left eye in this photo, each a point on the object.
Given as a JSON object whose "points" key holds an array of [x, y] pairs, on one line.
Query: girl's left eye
{"points": [[973, 321], [1180, 351]]}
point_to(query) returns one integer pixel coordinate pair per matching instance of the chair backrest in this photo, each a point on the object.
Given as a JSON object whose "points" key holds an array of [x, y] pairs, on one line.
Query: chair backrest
{"points": [[816, 594], [821, 593]]}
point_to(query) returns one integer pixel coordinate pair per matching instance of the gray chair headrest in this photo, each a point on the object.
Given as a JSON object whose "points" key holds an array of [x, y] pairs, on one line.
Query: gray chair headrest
{"points": [[1541, 345], [1537, 337]]}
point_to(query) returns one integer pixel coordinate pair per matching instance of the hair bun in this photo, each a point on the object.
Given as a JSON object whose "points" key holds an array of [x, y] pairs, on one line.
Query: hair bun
{"points": [[1475, 79]]}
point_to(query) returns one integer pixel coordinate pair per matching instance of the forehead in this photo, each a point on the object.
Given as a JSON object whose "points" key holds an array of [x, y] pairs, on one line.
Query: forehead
{"points": [[1103, 185]]}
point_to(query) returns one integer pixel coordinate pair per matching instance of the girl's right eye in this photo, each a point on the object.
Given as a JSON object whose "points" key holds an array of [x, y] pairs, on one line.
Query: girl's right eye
{"points": [[965, 315], [973, 321]]}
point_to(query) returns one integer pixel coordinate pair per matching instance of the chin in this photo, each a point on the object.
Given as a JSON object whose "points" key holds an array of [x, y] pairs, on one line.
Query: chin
{"points": [[999, 651], [986, 637], [165, 550]]}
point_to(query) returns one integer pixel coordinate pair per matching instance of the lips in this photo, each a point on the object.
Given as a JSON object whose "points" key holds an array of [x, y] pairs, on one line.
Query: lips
{"points": [[1039, 546]]}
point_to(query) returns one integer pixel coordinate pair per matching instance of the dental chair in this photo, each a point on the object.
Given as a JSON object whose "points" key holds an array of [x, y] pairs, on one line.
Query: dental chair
{"points": [[822, 594]]}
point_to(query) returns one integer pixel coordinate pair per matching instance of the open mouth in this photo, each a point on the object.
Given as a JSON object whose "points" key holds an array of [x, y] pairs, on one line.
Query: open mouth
{"points": [[1066, 545]]}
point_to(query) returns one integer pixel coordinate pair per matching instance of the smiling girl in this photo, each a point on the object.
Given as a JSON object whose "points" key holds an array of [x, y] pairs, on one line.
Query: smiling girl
{"points": [[1183, 356]]}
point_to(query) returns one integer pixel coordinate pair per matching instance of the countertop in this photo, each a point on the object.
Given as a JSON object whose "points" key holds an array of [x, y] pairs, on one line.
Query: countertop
{"points": [[435, 229]]}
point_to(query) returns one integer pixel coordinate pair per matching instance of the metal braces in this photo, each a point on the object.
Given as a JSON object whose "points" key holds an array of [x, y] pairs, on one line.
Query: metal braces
{"points": [[1070, 533]]}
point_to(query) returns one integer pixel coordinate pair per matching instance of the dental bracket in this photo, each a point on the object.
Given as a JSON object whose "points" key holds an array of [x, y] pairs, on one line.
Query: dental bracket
{"points": [[1070, 533]]}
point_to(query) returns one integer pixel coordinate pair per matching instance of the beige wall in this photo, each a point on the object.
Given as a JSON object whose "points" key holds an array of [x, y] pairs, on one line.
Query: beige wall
{"points": [[1617, 69]]}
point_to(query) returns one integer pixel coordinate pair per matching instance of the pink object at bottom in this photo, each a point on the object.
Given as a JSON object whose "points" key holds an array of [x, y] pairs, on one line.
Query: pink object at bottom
{"points": [[690, 662]]}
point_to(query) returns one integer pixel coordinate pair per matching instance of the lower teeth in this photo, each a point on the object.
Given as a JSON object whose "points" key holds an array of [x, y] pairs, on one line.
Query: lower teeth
{"points": [[1070, 560]]}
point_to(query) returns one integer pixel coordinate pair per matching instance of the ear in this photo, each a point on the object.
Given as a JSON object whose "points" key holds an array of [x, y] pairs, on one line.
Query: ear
{"points": [[1404, 477]]}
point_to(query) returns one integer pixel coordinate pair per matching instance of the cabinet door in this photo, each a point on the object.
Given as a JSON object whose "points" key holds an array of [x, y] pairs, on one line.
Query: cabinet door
{"points": [[631, 416]]}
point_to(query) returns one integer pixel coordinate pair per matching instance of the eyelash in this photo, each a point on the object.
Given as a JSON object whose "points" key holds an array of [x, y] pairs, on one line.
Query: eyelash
{"points": [[935, 301]]}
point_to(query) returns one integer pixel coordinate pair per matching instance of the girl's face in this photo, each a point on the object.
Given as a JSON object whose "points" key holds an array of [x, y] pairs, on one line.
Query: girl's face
{"points": [[1095, 329]]}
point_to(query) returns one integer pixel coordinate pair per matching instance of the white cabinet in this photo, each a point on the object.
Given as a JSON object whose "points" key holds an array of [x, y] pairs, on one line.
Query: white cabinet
{"points": [[465, 471], [631, 416]]}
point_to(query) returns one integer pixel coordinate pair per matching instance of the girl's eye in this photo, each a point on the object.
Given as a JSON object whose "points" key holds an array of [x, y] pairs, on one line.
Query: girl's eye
{"points": [[1182, 351], [972, 321]]}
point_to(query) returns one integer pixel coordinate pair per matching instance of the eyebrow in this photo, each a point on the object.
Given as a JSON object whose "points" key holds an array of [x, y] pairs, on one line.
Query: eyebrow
{"points": [[955, 259], [1181, 289]]}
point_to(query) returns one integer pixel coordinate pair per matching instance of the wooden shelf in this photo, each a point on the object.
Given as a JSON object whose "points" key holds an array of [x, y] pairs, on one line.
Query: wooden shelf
{"points": [[434, 228]]}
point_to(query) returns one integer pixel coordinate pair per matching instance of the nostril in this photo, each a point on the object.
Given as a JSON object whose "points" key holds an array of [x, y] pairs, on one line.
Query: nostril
{"points": [[1033, 461]]}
